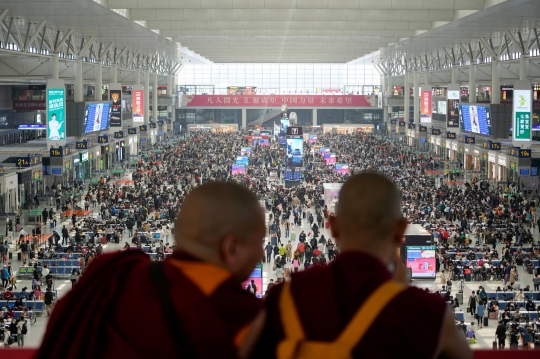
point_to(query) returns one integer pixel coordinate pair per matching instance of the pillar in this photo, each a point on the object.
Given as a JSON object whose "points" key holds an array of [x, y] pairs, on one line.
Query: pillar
{"points": [[155, 98], [454, 73], [244, 119], [389, 86], [99, 81], [137, 77], [114, 74], [472, 83], [146, 97], [416, 99], [314, 117], [495, 83], [406, 97], [523, 67], [78, 90], [54, 71]]}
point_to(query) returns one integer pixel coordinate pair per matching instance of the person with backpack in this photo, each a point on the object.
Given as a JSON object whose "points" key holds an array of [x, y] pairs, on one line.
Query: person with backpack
{"points": [[362, 295], [22, 329]]}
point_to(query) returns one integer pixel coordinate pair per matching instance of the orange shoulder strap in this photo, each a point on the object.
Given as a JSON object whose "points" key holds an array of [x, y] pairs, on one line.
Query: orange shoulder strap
{"points": [[358, 325]]}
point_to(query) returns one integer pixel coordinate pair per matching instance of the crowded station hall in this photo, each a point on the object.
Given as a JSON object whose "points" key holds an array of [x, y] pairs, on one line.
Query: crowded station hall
{"points": [[269, 179]]}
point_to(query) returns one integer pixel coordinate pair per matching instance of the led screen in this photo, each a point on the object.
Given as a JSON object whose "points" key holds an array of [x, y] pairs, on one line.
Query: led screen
{"points": [[421, 260], [96, 117], [245, 150], [312, 138], [342, 168], [264, 143], [290, 175], [256, 276], [330, 158], [238, 169], [283, 130], [452, 114], [475, 119], [242, 160], [295, 152]]}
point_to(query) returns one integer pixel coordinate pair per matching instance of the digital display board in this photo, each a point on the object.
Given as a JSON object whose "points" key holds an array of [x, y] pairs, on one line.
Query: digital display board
{"points": [[56, 123], [245, 150], [264, 142], [475, 119], [421, 260], [96, 117], [283, 131], [290, 175], [257, 278], [116, 108], [238, 169], [138, 106], [295, 152], [452, 109], [312, 138], [342, 168], [242, 160]]}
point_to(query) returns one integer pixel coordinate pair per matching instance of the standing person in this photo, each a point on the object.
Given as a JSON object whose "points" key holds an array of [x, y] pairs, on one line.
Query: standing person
{"points": [[472, 303], [369, 228], [73, 277], [193, 298], [65, 235], [296, 264], [500, 333], [536, 283], [269, 249], [288, 251], [24, 250], [21, 332], [48, 301], [480, 308]]}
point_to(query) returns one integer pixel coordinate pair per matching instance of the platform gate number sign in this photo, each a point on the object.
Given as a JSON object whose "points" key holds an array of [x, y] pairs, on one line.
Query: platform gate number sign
{"points": [[522, 115], [294, 131]]}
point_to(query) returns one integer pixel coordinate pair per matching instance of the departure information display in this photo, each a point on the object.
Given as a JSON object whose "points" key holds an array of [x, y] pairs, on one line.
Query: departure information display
{"points": [[475, 119], [421, 260]]}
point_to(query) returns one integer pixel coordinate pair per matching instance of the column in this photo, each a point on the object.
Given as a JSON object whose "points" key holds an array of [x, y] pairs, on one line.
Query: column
{"points": [[54, 71], [137, 77], [114, 74], [155, 98], [472, 83], [416, 100], [523, 68], [314, 117], [454, 73], [389, 86], [99, 81], [495, 83], [244, 119], [78, 90], [146, 97], [406, 97]]}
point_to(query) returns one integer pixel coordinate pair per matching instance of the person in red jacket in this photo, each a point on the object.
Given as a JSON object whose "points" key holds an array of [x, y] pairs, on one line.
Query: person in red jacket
{"points": [[368, 313], [192, 305]]}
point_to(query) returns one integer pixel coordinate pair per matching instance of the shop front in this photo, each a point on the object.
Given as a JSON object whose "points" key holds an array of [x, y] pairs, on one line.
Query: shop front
{"points": [[9, 202], [411, 137], [492, 166], [502, 172], [104, 160], [77, 167], [512, 169], [120, 151], [452, 147], [24, 178], [84, 159], [67, 174]]}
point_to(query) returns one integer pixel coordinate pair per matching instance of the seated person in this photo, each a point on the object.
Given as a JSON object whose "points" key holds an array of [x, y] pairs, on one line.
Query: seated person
{"points": [[8, 294], [529, 305], [527, 288], [519, 295], [18, 305]]}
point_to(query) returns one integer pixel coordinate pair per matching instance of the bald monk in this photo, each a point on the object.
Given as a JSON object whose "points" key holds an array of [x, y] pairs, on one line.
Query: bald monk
{"points": [[354, 307], [191, 306]]}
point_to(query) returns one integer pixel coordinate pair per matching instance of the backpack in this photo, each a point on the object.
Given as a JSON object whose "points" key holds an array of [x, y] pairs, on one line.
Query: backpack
{"points": [[295, 345], [24, 329]]}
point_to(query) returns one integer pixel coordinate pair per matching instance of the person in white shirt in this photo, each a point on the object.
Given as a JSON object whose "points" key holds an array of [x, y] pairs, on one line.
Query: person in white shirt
{"points": [[54, 129], [22, 233], [519, 295]]}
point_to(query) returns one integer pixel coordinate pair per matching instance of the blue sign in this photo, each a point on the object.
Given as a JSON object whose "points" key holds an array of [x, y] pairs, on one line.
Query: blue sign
{"points": [[39, 126], [81, 145], [103, 139]]}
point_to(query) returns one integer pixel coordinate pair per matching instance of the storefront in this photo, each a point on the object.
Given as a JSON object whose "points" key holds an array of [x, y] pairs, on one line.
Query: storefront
{"points": [[24, 178], [85, 165], [512, 169], [502, 162], [436, 141], [120, 151], [492, 166], [104, 160], [67, 174], [452, 150], [77, 167], [411, 137], [347, 129], [9, 202]]}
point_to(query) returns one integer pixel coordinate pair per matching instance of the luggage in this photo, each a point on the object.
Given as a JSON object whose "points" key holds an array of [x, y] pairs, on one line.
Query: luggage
{"points": [[10, 255], [52, 224], [19, 256], [467, 277], [116, 239], [103, 240], [493, 315], [495, 344], [459, 297], [486, 321]]}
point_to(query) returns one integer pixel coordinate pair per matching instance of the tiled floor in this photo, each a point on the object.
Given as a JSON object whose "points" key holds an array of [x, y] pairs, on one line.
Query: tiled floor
{"points": [[485, 335]]}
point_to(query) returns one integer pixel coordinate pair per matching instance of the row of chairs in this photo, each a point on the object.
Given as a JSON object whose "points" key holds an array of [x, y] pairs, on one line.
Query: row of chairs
{"points": [[65, 255], [510, 295], [494, 262], [532, 315], [63, 271], [36, 305], [60, 262], [503, 304]]}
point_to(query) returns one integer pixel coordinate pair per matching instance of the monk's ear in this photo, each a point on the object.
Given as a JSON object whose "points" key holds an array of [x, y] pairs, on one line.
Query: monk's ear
{"points": [[229, 247]]}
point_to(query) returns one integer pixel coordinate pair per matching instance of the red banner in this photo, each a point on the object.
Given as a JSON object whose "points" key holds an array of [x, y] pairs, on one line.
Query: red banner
{"points": [[425, 107], [293, 101], [138, 105], [29, 105]]}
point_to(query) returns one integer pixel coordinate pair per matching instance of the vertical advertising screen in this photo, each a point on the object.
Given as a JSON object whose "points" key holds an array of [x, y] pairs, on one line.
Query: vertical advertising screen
{"points": [[421, 260], [295, 152], [283, 130], [452, 109], [116, 108], [425, 107], [56, 124], [475, 119], [522, 115], [138, 106], [342, 168]]}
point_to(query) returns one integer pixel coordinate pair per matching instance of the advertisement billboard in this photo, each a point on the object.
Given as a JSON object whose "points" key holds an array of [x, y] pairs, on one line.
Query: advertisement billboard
{"points": [[452, 109], [522, 115], [295, 152], [138, 106], [425, 107], [475, 119], [245, 151], [238, 169], [421, 260], [283, 130], [56, 124], [257, 278], [116, 108], [330, 158], [242, 160]]}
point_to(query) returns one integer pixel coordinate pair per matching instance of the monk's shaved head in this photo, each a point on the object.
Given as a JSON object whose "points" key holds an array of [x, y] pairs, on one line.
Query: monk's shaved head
{"points": [[369, 202], [216, 209]]}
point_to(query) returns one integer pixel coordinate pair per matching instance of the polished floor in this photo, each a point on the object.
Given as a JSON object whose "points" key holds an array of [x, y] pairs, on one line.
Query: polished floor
{"points": [[484, 336]]}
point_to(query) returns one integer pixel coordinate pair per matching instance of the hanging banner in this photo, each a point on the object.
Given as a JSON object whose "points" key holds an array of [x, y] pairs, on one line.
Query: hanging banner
{"points": [[425, 107], [521, 129], [116, 107], [138, 106], [56, 124]]}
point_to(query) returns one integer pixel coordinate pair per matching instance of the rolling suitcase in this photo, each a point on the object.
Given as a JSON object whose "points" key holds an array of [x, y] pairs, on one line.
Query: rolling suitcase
{"points": [[486, 321], [495, 344], [459, 297]]}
